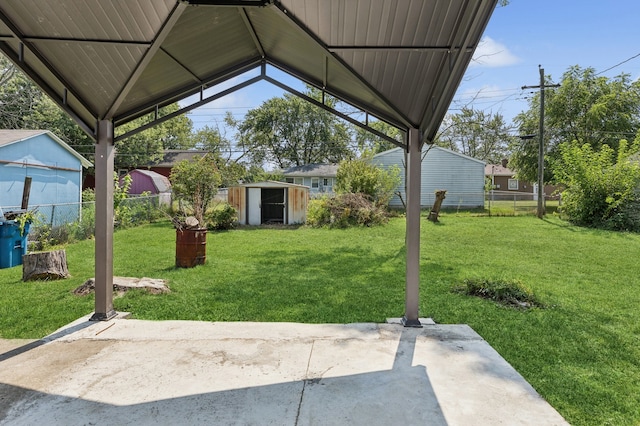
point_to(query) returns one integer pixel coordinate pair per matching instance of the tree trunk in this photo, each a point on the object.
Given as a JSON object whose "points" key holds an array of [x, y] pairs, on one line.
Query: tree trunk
{"points": [[46, 265], [435, 210]]}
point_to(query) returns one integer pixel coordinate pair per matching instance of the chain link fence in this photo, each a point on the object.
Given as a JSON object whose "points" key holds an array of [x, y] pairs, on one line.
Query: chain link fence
{"points": [[59, 223]]}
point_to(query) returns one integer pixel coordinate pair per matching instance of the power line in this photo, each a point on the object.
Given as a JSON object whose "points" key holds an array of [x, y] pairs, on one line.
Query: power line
{"points": [[618, 64]]}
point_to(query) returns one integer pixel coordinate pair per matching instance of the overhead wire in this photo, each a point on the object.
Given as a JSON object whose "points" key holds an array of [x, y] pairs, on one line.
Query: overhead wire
{"points": [[618, 64]]}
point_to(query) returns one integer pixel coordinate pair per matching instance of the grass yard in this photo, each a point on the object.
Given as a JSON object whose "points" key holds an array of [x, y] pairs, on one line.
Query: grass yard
{"points": [[581, 352]]}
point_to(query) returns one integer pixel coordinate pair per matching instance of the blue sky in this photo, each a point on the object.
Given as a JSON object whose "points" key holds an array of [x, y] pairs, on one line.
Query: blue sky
{"points": [[519, 37], [556, 35]]}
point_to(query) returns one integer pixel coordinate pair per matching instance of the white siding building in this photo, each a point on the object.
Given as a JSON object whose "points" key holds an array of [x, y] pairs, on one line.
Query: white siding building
{"points": [[460, 175], [320, 178]]}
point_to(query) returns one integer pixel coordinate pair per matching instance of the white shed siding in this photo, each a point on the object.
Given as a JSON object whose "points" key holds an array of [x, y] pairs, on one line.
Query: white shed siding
{"points": [[461, 176]]}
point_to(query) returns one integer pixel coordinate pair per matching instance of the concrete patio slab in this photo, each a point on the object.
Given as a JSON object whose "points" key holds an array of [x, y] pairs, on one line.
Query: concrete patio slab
{"points": [[128, 371]]}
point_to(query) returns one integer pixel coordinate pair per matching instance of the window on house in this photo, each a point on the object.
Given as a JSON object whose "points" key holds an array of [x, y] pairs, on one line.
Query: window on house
{"points": [[289, 180], [315, 183], [298, 181], [328, 184], [513, 184]]}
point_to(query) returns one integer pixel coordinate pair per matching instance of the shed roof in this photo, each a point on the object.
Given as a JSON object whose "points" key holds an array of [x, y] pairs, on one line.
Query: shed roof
{"points": [[160, 182], [400, 60], [11, 136], [313, 170]]}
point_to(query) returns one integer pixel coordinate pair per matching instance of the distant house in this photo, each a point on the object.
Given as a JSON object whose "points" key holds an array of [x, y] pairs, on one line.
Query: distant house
{"points": [[504, 179], [320, 178], [460, 175], [505, 183], [147, 181], [55, 170], [172, 157]]}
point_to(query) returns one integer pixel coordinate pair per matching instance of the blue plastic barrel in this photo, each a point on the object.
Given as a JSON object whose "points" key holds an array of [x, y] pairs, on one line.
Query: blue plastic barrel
{"points": [[13, 245]]}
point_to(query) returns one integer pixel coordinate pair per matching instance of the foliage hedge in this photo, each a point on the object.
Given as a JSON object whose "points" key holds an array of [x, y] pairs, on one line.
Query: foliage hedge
{"points": [[603, 189]]}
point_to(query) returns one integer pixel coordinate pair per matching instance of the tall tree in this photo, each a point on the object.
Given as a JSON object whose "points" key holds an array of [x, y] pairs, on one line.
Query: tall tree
{"points": [[24, 106], [148, 146], [290, 131], [481, 135], [222, 151], [587, 108], [369, 142]]}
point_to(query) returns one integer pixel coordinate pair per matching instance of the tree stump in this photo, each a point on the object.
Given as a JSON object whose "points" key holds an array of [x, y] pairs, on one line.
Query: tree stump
{"points": [[46, 265], [435, 210]]}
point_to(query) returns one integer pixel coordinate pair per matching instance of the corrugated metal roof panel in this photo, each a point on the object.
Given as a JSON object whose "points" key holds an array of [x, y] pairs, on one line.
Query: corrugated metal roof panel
{"points": [[398, 59], [228, 41]]}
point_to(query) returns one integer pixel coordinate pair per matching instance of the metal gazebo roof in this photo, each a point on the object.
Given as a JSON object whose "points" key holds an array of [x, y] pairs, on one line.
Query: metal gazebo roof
{"points": [[399, 60]]}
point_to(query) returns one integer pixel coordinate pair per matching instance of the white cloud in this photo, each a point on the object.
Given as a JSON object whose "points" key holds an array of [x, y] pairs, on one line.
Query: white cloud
{"points": [[491, 53]]}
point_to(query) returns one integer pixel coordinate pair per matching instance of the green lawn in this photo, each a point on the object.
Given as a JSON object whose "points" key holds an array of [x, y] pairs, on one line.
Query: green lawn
{"points": [[581, 352]]}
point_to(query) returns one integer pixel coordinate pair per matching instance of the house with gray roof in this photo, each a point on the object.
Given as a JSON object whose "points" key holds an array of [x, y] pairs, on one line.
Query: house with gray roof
{"points": [[319, 177]]}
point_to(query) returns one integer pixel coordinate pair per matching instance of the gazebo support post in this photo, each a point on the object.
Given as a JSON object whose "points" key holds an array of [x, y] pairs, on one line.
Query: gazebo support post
{"points": [[105, 152], [412, 238]]}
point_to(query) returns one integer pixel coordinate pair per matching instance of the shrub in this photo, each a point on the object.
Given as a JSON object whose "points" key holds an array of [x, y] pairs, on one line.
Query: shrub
{"points": [[222, 217], [345, 210], [362, 177], [318, 213], [602, 188], [85, 228]]}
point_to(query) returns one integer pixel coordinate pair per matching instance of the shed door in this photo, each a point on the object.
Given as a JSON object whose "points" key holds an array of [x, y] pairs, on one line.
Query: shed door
{"points": [[272, 205], [253, 206]]}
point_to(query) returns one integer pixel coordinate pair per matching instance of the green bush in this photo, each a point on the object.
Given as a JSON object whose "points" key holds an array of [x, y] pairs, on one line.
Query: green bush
{"points": [[318, 213], [345, 210], [362, 177], [222, 217], [85, 228], [602, 188]]}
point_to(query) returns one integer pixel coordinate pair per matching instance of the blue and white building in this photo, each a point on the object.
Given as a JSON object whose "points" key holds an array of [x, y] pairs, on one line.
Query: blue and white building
{"points": [[55, 170]]}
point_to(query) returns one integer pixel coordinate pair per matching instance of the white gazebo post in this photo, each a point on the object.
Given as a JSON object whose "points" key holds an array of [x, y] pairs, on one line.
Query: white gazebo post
{"points": [[412, 238]]}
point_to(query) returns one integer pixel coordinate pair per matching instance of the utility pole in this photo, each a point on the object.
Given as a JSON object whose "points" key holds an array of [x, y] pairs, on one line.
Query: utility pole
{"points": [[541, 211]]}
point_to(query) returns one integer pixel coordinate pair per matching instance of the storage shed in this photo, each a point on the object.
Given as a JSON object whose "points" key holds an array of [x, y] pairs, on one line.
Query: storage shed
{"points": [[460, 175], [269, 202], [149, 181]]}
